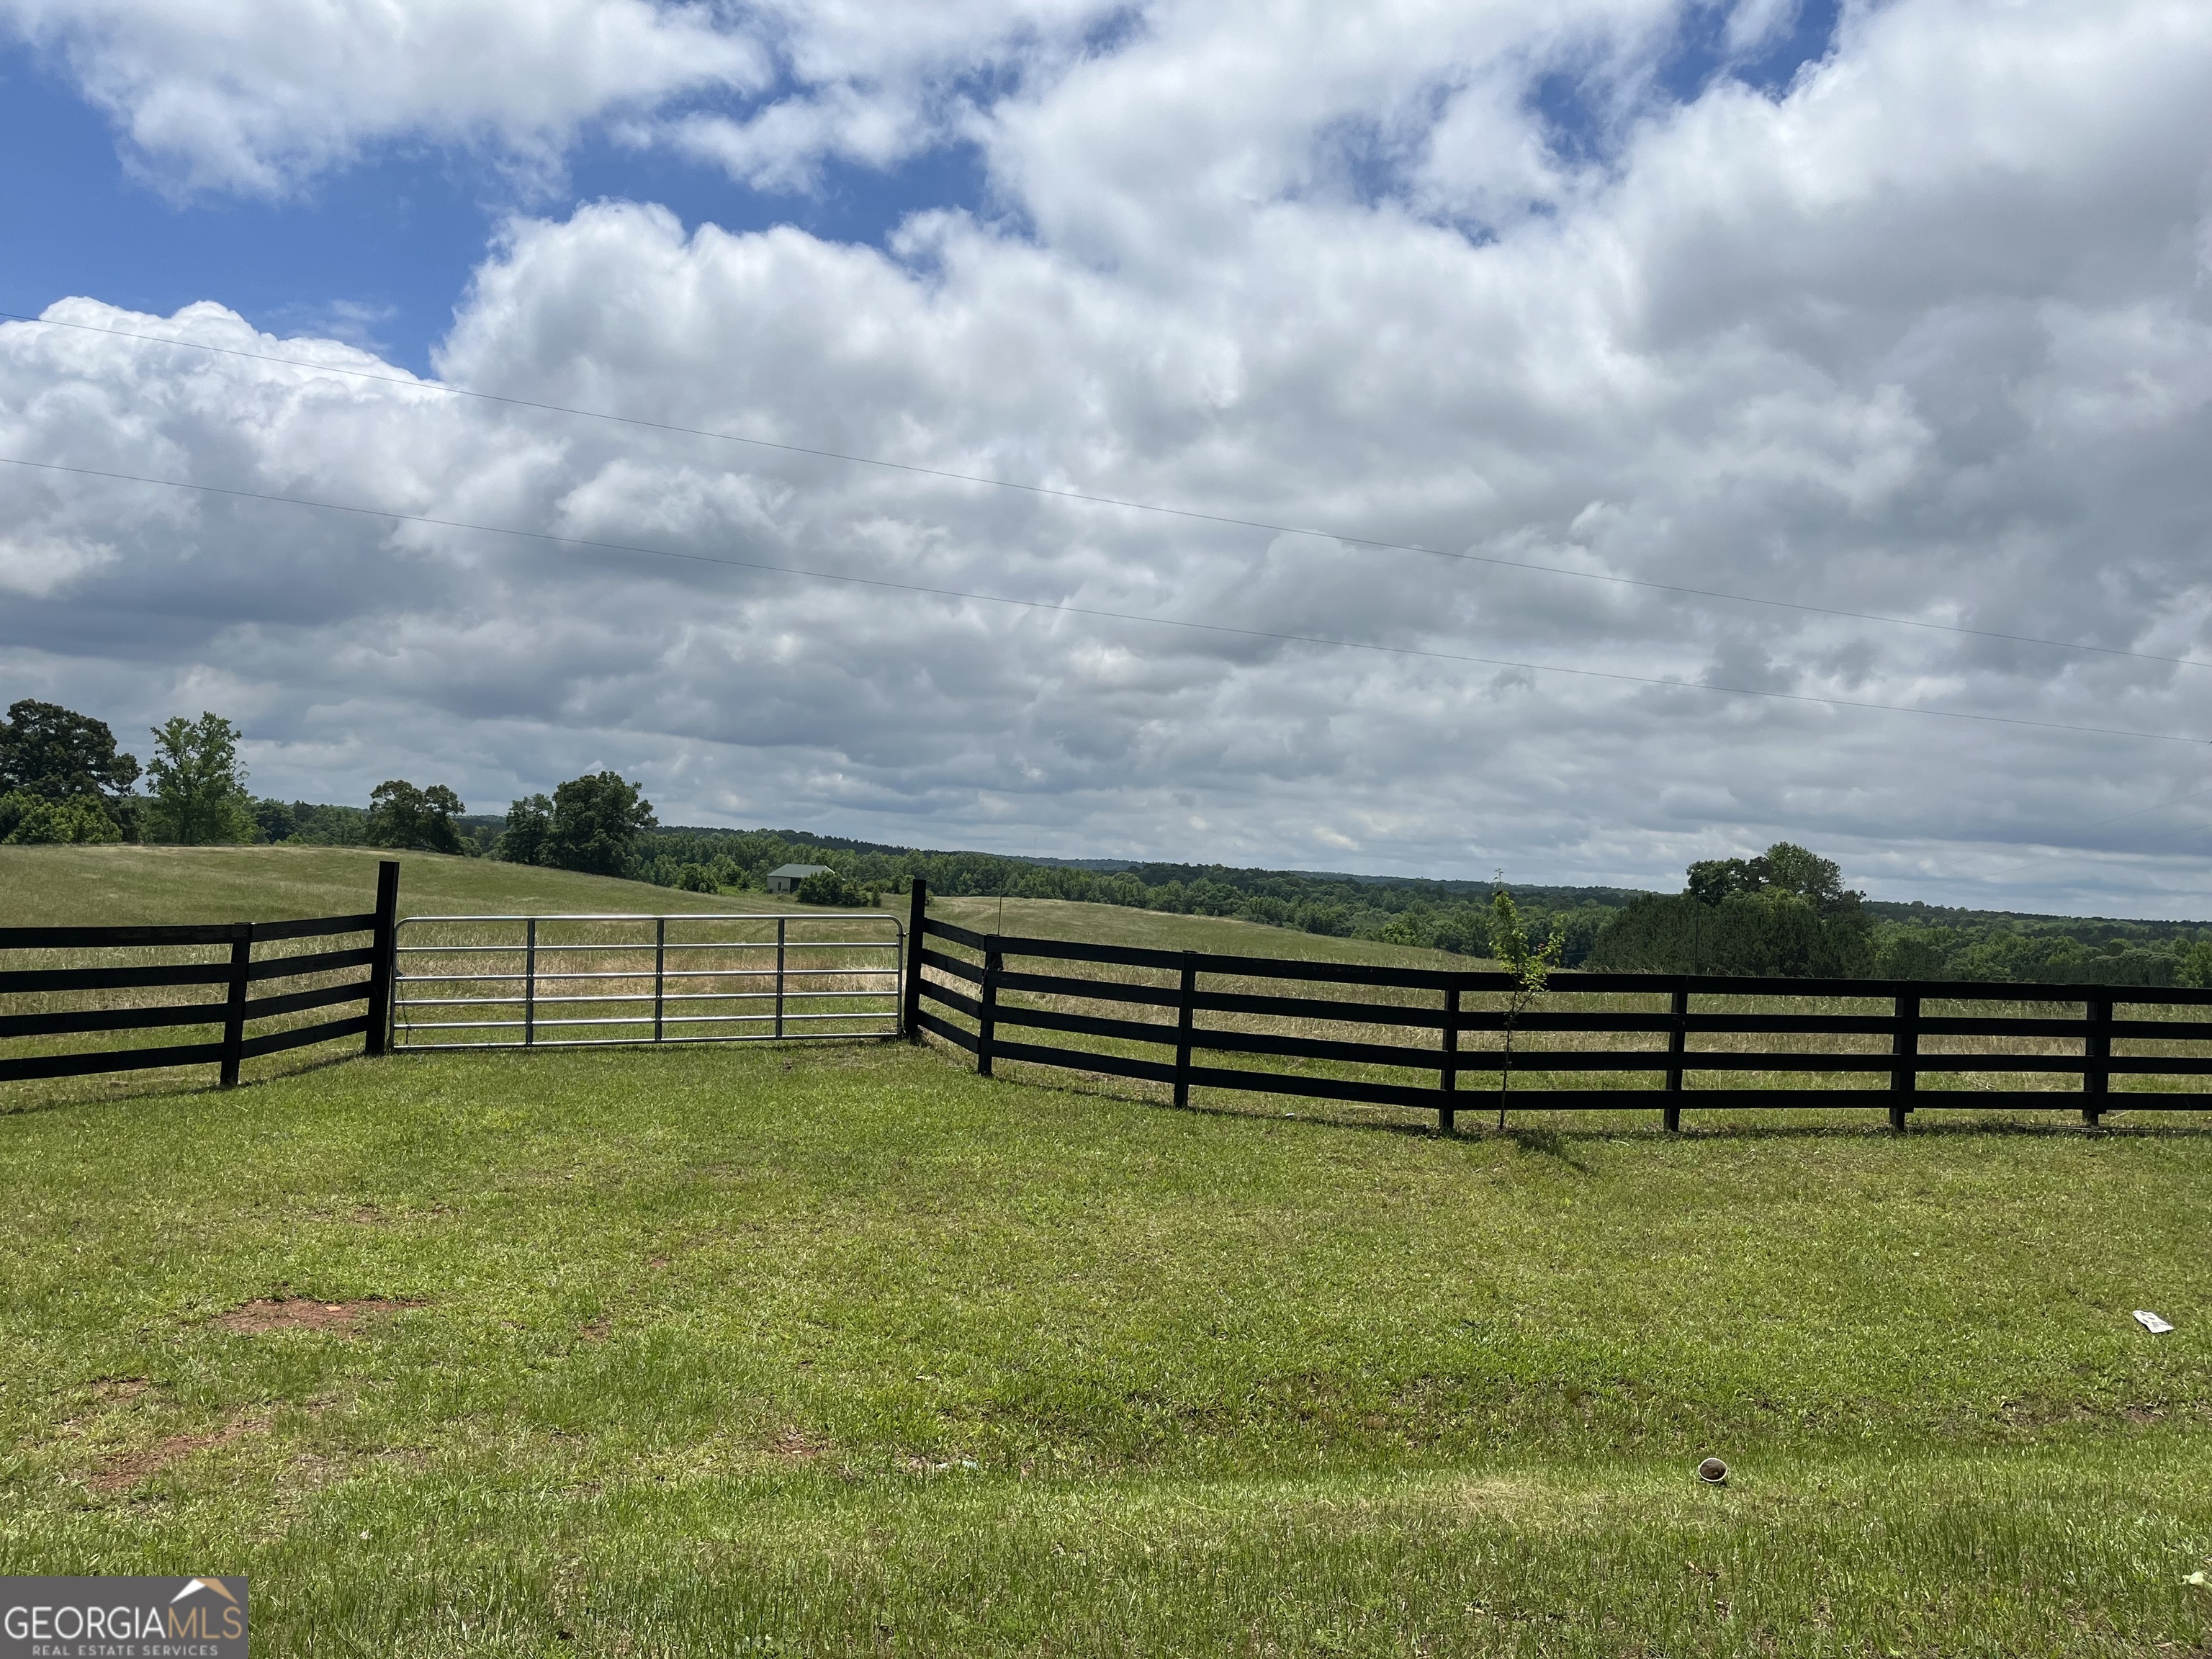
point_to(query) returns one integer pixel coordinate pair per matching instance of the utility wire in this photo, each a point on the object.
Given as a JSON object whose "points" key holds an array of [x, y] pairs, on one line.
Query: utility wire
{"points": [[1064, 609], [1087, 499], [2166, 835], [2121, 817]]}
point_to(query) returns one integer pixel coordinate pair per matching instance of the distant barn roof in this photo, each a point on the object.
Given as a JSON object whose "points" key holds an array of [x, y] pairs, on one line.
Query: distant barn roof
{"points": [[798, 872]]}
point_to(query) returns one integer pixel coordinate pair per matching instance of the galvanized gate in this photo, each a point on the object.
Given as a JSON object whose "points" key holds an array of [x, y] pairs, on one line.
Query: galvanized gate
{"points": [[598, 981]]}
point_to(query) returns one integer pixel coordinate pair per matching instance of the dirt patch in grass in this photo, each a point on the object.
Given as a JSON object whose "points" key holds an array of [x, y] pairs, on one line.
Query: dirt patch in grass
{"points": [[121, 1473], [304, 1313], [797, 1446], [121, 1390]]}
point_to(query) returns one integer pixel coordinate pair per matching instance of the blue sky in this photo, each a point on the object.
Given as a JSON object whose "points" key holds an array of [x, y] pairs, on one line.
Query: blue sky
{"points": [[380, 250]]}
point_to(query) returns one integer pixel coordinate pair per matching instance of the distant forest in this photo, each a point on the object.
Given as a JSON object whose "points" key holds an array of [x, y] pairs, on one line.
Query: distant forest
{"points": [[1768, 928]]}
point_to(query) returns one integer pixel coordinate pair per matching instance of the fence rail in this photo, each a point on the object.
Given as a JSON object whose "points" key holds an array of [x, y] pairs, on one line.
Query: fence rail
{"points": [[1418, 1037], [574, 981], [233, 1014]]}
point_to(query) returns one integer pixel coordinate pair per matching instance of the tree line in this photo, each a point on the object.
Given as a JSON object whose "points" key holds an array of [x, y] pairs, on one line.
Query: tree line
{"points": [[64, 780], [1785, 912]]}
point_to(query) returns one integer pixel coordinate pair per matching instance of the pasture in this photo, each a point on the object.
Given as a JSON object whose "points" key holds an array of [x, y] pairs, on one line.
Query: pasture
{"points": [[844, 1349]]}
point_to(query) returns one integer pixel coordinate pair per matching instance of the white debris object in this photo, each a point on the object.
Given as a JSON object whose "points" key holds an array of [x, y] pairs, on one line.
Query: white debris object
{"points": [[2151, 1323]]}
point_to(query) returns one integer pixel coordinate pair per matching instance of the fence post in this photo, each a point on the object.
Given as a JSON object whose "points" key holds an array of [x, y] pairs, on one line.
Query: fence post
{"points": [[234, 1008], [530, 983], [2096, 1080], [384, 961], [781, 922], [986, 1029], [1678, 1044], [910, 1007], [1184, 1016], [1447, 1109], [1904, 1043], [660, 972]]}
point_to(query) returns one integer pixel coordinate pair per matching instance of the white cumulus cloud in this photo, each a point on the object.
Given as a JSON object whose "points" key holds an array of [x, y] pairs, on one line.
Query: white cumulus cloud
{"points": [[1923, 336]]}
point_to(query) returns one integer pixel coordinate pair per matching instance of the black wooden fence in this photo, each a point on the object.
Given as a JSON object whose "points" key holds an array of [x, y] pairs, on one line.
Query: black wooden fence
{"points": [[234, 1010], [1680, 1067]]}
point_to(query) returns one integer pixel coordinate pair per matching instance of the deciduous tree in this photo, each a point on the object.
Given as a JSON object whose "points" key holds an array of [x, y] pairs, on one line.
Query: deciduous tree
{"points": [[402, 815], [57, 754], [199, 783], [597, 818], [529, 823]]}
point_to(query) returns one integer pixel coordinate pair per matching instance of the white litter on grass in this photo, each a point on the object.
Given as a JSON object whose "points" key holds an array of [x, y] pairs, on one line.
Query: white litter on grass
{"points": [[2151, 1323]]}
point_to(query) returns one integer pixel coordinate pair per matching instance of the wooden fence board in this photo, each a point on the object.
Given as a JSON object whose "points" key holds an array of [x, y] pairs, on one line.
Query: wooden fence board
{"points": [[31, 1066], [1684, 1073], [1105, 990], [1151, 1071], [74, 1022], [265, 932], [94, 939], [137, 976], [1050, 1019], [318, 962], [299, 1002], [954, 965], [274, 1042], [947, 1029], [1344, 1052], [232, 1015]]}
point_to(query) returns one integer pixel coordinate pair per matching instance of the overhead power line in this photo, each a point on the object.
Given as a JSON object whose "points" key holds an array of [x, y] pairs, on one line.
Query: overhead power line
{"points": [[2140, 811], [1062, 608], [1088, 499]]}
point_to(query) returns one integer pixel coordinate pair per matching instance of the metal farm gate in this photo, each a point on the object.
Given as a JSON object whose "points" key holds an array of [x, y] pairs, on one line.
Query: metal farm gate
{"points": [[595, 980]]}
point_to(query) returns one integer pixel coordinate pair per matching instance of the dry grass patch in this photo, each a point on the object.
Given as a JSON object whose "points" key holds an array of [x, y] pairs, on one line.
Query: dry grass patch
{"points": [[134, 1468], [797, 1446], [302, 1313]]}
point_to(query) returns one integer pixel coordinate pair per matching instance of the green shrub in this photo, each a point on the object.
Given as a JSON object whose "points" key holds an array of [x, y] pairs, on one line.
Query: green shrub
{"points": [[824, 887], [31, 821]]}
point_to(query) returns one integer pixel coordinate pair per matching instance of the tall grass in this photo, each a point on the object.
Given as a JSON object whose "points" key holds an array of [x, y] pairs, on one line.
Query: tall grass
{"points": [[604, 980]]}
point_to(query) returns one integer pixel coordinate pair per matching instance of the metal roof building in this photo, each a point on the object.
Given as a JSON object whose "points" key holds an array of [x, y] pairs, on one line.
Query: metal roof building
{"points": [[786, 878]]}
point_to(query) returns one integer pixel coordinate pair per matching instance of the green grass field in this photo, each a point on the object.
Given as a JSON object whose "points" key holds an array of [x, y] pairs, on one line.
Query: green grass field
{"points": [[52, 885], [1112, 924], [843, 1350]]}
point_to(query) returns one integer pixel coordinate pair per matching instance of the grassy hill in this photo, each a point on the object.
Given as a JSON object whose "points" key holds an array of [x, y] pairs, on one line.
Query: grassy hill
{"points": [[847, 1351], [46, 885], [1113, 924]]}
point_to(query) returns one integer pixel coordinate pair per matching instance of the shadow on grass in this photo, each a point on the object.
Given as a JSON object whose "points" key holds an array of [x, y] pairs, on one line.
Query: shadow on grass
{"points": [[167, 1081], [1544, 1140]]}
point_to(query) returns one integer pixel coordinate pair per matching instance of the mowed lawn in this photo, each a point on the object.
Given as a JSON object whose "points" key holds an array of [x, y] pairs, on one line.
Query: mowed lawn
{"points": [[843, 1350]]}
